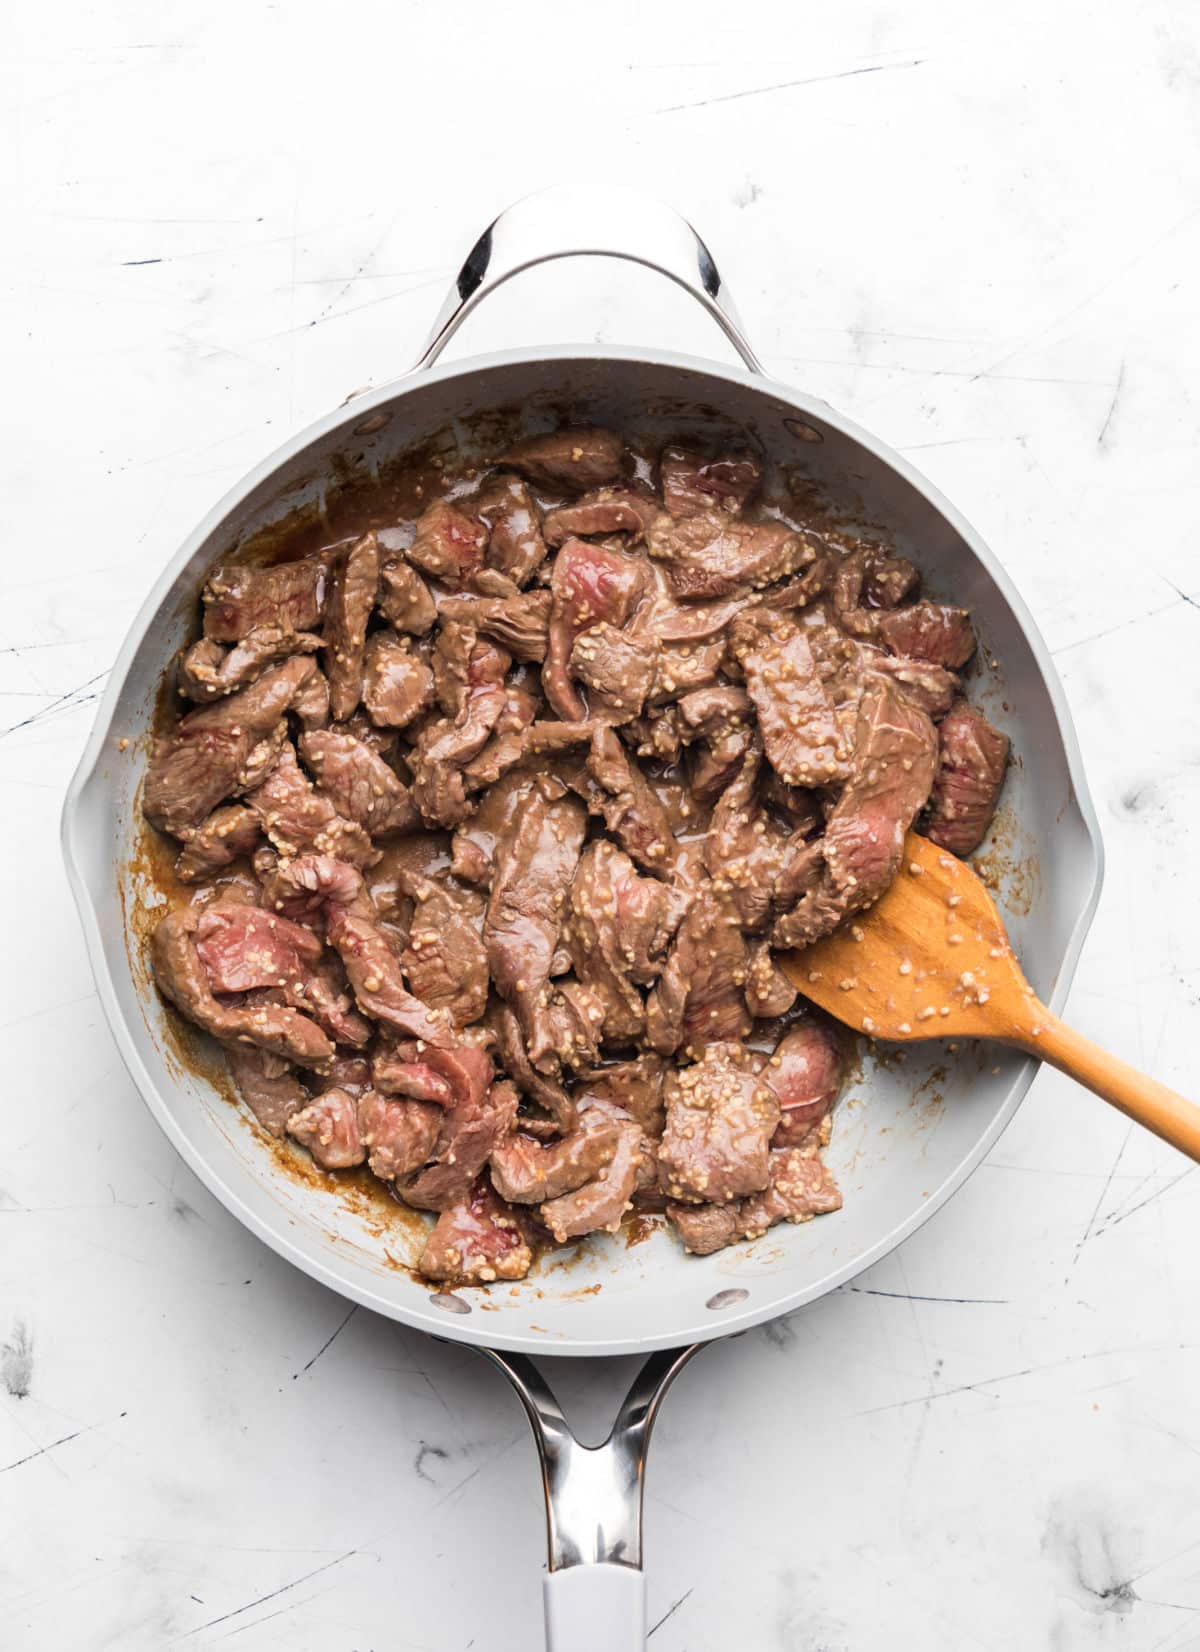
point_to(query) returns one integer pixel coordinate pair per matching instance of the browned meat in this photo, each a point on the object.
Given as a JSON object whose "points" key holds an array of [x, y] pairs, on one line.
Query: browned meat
{"points": [[590, 583], [399, 1136], [397, 684], [519, 623], [575, 458], [656, 736], [358, 783], [698, 999], [972, 758], [516, 547], [799, 728], [632, 811], [800, 1188], [324, 993], [444, 962], [222, 750], [475, 840], [238, 599], [719, 723], [471, 1131], [311, 709], [720, 1120], [607, 510], [768, 991], [479, 1240], [717, 555], [635, 1086], [268, 1086], [445, 746], [545, 1091], [404, 598], [352, 593], [181, 977], [526, 1172], [298, 886], [508, 744], [243, 947], [449, 544], [217, 842], [930, 631], [617, 669], [866, 581], [350, 1072], [298, 819], [376, 977], [805, 1073], [599, 1204], [746, 849], [534, 866], [892, 773], [692, 484], [930, 687], [328, 1127], [209, 672]]}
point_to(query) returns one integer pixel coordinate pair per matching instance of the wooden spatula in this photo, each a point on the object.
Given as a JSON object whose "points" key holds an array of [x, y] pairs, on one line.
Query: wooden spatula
{"points": [[932, 960]]}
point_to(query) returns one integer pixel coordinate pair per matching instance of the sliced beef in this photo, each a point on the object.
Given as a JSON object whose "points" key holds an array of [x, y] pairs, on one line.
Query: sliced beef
{"points": [[693, 484], [720, 1120], [546, 1092], [590, 583], [719, 724], [972, 757], [222, 750], [800, 731], [475, 840], [300, 820], [471, 1131], [449, 544], [399, 1136], [526, 1172], [769, 993], [930, 631], [328, 1127], [930, 687], [404, 598], [311, 709], [477, 1241], [325, 995], [745, 850], [516, 547], [217, 842], [358, 783], [716, 555], [573, 459], [607, 510], [445, 746], [238, 599], [635, 1086], [601, 1203], [618, 670], [243, 947], [180, 976], [520, 624], [805, 1073], [352, 591], [699, 999], [444, 962], [397, 683], [209, 672], [375, 974], [268, 1085], [298, 886], [865, 582], [508, 744], [800, 1188], [631, 809]]}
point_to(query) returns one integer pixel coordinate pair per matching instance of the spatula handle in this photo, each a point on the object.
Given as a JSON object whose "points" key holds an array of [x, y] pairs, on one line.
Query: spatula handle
{"points": [[1141, 1098]]}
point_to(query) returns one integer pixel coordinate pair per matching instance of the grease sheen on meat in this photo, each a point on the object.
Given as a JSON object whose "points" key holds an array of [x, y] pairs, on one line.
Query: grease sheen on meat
{"points": [[485, 848]]}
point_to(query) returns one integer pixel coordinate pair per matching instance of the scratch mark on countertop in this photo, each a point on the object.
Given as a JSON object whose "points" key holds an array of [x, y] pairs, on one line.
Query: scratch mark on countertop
{"points": [[64, 702], [329, 1341], [1011, 1376], [273, 1594], [136, 263], [1102, 438], [53, 1446], [427, 1450], [670, 1612], [1087, 1232], [790, 85], [907, 1296], [1123, 1216]]}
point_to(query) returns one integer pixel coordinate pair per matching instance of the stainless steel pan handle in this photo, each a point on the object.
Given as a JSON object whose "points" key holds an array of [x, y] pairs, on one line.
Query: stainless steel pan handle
{"points": [[601, 222], [595, 1593]]}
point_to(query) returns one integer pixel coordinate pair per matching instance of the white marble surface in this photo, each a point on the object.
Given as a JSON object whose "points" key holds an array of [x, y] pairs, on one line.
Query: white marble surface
{"points": [[976, 231]]}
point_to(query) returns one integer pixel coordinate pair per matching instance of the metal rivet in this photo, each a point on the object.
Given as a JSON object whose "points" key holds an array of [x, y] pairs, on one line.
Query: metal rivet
{"points": [[726, 1299], [805, 432], [449, 1304], [370, 425]]}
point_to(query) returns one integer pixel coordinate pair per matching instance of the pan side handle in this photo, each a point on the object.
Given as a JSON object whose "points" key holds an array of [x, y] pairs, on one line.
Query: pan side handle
{"points": [[601, 222], [595, 1598]]}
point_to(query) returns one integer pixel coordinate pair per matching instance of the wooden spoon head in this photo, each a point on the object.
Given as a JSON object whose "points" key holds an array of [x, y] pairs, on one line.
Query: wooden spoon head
{"points": [[929, 960]]}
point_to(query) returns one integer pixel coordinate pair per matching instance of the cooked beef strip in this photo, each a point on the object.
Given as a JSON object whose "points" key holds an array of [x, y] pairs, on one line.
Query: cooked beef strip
{"points": [[397, 684], [779, 688], [268, 1085], [590, 583], [720, 1120], [352, 590], [209, 672], [573, 458], [238, 598], [404, 599], [692, 484], [516, 547], [477, 1241], [222, 750], [328, 1127], [359, 784], [972, 757], [449, 544], [227, 834]]}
